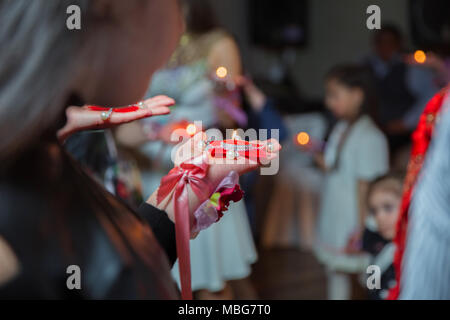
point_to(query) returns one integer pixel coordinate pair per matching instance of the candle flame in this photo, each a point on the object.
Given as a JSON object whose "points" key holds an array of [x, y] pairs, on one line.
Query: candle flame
{"points": [[221, 72], [303, 138], [191, 129], [420, 56]]}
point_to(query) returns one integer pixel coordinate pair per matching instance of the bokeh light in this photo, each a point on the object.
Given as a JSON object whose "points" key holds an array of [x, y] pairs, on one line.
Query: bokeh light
{"points": [[221, 72], [191, 129], [420, 56], [303, 138]]}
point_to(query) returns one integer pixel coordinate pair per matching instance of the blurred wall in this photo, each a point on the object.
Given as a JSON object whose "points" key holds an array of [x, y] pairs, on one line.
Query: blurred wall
{"points": [[337, 33]]}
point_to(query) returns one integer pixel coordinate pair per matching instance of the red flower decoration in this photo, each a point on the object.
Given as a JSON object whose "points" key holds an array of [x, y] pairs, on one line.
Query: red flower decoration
{"points": [[226, 195]]}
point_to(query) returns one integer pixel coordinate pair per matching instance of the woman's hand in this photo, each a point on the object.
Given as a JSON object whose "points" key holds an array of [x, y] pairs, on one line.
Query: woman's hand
{"points": [[83, 118], [218, 169], [255, 96]]}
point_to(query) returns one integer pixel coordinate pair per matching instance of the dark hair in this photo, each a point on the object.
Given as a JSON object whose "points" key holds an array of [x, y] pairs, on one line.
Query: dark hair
{"points": [[39, 64], [389, 29], [356, 76], [392, 181], [200, 16]]}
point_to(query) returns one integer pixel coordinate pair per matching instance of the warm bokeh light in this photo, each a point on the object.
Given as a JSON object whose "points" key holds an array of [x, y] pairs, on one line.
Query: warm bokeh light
{"points": [[420, 56], [221, 72], [191, 129], [303, 138]]}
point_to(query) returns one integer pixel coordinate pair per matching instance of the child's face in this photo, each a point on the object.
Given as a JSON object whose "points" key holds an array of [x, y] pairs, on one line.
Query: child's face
{"points": [[343, 101], [385, 205]]}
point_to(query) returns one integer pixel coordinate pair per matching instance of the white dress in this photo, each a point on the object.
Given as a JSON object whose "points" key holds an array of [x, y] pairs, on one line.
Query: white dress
{"points": [[364, 156], [226, 250]]}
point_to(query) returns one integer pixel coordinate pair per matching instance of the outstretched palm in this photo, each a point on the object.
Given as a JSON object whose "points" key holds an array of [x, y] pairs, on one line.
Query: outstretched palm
{"points": [[83, 118]]}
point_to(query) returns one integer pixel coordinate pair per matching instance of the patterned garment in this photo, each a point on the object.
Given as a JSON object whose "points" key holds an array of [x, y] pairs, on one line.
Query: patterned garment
{"points": [[426, 261], [421, 139], [97, 152]]}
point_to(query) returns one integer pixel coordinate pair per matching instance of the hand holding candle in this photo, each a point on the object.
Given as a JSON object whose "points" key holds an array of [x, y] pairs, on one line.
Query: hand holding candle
{"points": [[223, 80], [236, 148], [195, 179]]}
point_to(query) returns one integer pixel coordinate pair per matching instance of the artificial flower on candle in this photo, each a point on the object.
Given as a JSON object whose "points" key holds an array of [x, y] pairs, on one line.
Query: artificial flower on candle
{"points": [[222, 198]]}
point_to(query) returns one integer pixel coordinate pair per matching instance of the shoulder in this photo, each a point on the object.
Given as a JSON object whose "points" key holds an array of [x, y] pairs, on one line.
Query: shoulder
{"points": [[217, 35], [9, 264], [368, 131], [222, 42], [338, 128]]}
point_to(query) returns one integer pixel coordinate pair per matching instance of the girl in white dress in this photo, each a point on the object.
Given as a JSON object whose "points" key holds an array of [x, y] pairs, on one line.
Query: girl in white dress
{"points": [[355, 154]]}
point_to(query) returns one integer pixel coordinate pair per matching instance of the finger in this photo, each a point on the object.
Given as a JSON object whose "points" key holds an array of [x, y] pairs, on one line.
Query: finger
{"points": [[159, 111], [158, 101], [119, 118], [241, 80], [272, 145], [161, 96], [243, 165]]}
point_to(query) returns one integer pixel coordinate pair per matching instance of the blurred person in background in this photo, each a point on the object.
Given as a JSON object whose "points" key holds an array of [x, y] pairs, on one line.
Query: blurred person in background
{"points": [[383, 202], [438, 64], [225, 251], [355, 154], [262, 114], [402, 89]]}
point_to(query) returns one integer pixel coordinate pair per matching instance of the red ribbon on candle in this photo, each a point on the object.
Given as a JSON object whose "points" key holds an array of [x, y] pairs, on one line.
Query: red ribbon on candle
{"points": [[190, 172]]}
